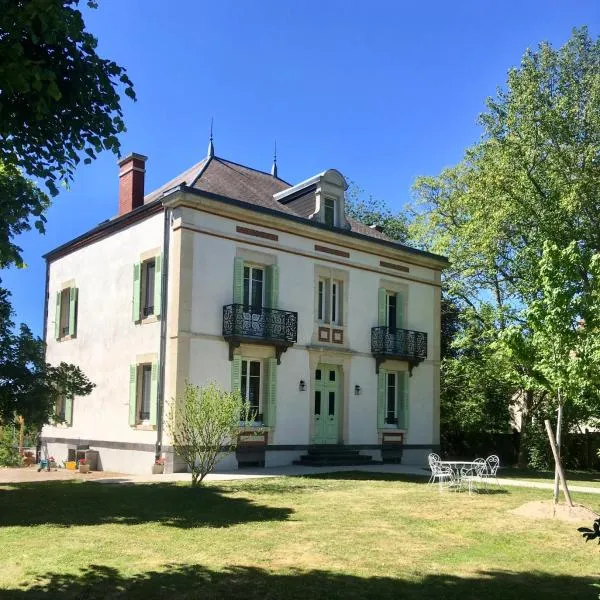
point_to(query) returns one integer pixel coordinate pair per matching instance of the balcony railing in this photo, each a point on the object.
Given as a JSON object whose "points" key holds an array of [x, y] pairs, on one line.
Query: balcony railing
{"points": [[259, 325], [402, 344]]}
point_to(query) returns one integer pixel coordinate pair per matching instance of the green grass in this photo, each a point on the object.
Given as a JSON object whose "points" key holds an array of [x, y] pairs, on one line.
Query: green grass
{"points": [[344, 535], [578, 478]]}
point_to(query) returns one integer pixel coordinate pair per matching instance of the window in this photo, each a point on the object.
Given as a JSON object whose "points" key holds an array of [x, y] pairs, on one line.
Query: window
{"points": [[66, 313], [391, 403], [251, 386], [329, 301], [61, 408], [391, 310], [329, 212], [144, 393], [148, 287], [253, 286]]}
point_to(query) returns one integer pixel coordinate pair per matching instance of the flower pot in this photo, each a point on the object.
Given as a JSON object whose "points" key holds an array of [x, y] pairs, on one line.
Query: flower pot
{"points": [[158, 469], [84, 468]]}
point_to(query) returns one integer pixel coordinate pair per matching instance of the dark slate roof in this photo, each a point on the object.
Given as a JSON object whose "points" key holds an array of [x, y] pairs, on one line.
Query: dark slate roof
{"points": [[232, 180]]}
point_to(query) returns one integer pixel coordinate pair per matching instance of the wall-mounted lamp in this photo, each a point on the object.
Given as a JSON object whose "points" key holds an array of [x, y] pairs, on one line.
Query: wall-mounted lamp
{"points": [[302, 385], [357, 390]]}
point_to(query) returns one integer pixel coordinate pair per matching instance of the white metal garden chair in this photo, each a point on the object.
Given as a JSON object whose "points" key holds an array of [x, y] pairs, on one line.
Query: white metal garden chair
{"points": [[492, 463], [472, 475], [443, 474]]}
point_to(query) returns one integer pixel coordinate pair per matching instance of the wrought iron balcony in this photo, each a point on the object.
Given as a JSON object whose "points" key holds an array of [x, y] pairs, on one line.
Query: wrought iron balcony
{"points": [[401, 344], [270, 326]]}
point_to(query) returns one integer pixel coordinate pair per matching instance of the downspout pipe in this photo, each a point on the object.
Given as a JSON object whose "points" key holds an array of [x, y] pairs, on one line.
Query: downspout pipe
{"points": [[163, 332]]}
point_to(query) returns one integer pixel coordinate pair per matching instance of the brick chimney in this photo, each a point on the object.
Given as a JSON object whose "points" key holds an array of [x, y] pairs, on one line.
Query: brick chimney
{"points": [[131, 182]]}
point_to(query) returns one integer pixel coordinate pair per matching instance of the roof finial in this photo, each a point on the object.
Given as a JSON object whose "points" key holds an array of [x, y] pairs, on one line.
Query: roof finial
{"points": [[274, 167], [211, 147]]}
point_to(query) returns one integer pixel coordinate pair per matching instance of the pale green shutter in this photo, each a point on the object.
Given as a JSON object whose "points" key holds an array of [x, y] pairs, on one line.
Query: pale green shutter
{"points": [[133, 394], [69, 410], [403, 400], [272, 289], [154, 394], [137, 290], [157, 284], [381, 307], [381, 389], [270, 392], [73, 293], [399, 311], [238, 280], [236, 373], [57, 317]]}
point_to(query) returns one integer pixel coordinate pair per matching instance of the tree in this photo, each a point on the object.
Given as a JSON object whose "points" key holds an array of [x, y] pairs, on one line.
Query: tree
{"points": [[371, 211], [29, 386], [204, 425], [531, 180], [59, 101]]}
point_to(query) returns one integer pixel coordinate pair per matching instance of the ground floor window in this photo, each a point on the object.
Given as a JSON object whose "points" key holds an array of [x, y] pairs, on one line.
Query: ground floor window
{"points": [[144, 393], [251, 385]]}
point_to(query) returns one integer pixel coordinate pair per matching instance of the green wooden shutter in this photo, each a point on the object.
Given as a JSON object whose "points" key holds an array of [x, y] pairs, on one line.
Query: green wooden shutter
{"points": [[272, 288], [270, 392], [133, 370], [137, 290], [154, 394], [403, 400], [57, 317], [399, 311], [69, 410], [73, 293], [238, 280], [381, 389], [381, 307], [236, 373], [157, 284]]}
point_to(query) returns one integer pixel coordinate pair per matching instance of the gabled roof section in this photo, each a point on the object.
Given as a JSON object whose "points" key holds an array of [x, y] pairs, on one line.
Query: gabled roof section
{"points": [[232, 180], [185, 178]]}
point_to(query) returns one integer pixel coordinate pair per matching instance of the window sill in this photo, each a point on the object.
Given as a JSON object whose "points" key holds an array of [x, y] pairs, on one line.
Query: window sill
{"points": [[140, 427], [66, 338], [148, 319]]}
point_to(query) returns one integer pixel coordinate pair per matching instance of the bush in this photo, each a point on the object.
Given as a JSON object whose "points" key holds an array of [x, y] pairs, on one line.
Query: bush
{"points": [[9, 454]]}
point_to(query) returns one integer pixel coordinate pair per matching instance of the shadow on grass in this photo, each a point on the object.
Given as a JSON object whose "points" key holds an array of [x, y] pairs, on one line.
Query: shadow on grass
{"points": [[68, 503], [186, 582], [371, 476]]}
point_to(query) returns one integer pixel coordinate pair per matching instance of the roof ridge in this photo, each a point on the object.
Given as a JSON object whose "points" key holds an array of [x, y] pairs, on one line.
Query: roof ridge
{"points": [[226, 160], [201, 170]]}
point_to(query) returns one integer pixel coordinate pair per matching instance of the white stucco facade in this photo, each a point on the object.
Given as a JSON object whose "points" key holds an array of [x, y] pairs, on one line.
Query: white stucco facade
{"points": [[204, 239]]}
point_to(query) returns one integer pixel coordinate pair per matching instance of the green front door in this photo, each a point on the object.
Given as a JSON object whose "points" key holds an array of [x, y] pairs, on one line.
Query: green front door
{"points": [[327, 404]]}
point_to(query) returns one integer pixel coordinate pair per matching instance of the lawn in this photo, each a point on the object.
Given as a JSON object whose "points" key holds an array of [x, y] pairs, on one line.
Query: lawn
{"points": [[577, 478], [346, 535]]}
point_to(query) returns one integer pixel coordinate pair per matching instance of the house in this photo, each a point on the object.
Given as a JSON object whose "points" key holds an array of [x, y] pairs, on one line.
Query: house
{"points": [[330, 329]]}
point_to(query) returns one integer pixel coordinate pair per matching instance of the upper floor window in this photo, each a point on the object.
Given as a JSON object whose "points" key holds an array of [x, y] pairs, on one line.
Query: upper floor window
{"points": [[253, 286], [66, 313], [329, 212], [147, 288], [329, 301], [391, 301]]}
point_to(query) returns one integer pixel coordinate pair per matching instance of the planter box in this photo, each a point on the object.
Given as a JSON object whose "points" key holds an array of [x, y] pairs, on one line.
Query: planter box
{"points": [[84, 468], [250, 451], [158, 469], [392, 444]]}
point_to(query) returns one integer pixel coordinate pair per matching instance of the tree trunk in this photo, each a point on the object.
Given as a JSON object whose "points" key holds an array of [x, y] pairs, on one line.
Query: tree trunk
{"points": [[525, 424], [558, 436], [21, 422]]}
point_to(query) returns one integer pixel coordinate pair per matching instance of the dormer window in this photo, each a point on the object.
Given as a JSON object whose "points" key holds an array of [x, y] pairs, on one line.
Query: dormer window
{"points": [[329, 212]]}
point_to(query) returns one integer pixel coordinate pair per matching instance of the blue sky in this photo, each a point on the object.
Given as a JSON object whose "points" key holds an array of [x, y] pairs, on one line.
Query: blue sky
{"points": [[382, 91]]}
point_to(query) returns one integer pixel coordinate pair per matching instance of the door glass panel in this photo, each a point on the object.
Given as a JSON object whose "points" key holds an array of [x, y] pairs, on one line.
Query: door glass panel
{"points": [[331, 404], [318, 375], [331, 375], [317, 403], [391, 317], [391, 399]]}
